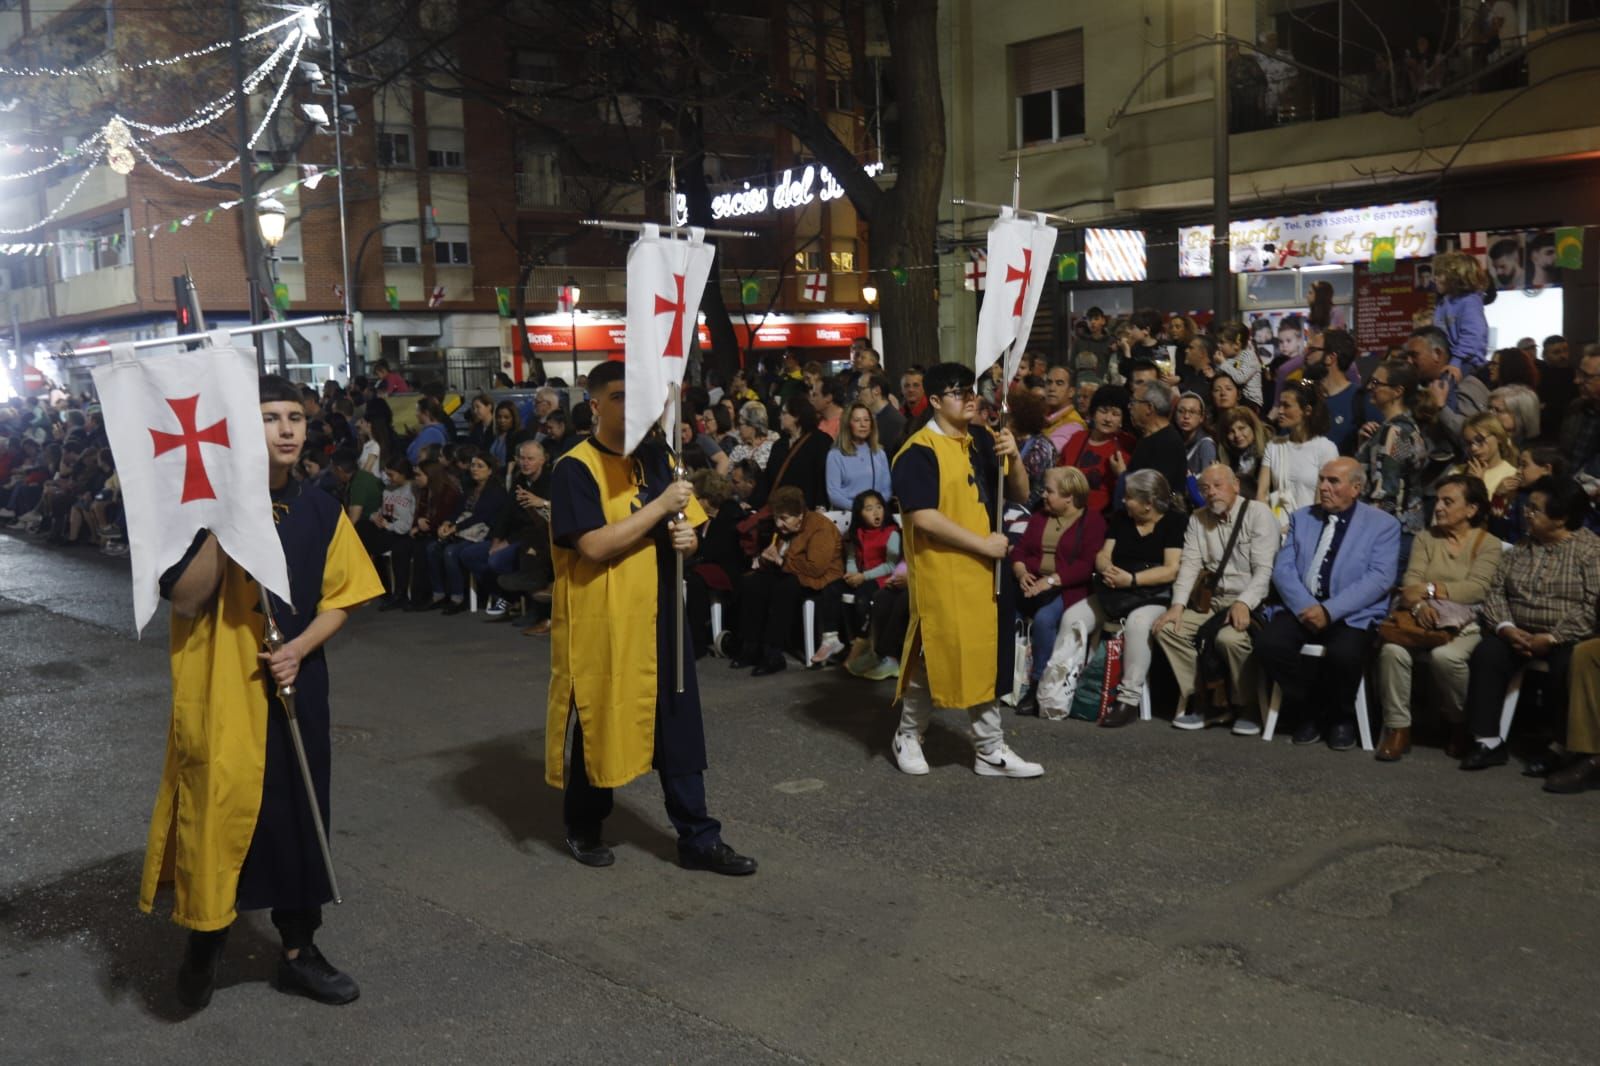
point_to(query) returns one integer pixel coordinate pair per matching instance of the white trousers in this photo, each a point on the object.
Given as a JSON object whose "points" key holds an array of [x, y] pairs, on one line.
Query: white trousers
{"points": [[916, 711]]}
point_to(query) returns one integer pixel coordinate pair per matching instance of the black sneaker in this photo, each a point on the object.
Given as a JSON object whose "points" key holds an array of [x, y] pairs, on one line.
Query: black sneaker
{"points": [[719, 858], [311, 975], [1308, 733], [1342, 736], [1481, 757], [591, 851], [197, 976]]}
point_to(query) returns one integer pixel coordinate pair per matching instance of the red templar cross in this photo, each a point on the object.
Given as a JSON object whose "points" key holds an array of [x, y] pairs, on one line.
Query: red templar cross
{"points": [[817, 288], [196, 486], [1024, 275], [674, 349]]}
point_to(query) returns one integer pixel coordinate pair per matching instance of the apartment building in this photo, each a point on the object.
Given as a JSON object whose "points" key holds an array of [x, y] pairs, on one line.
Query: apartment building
{"points": [[1443, 124]]}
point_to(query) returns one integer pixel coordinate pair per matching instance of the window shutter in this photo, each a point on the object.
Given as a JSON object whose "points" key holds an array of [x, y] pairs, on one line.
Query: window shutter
{"points": [[1048, 63]]}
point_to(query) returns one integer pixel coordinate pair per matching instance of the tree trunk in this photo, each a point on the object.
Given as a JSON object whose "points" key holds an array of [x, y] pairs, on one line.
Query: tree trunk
{"points": [[725, 356]]}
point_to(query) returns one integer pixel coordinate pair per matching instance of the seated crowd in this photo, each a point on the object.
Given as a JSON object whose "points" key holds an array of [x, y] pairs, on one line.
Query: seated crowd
{"points": [[1308, 532]]}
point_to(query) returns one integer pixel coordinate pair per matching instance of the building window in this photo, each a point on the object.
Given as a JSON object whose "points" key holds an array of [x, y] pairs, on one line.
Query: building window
{"points": [[539, 179], [97, 244], [450, 249], [842, 260], [535, 68], [394, 148], [21, 271], [1048, 75], [401, 254], [447, 149]]}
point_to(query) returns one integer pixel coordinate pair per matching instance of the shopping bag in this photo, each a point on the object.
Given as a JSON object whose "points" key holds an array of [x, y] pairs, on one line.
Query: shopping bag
{"points": [[1061, 677]]}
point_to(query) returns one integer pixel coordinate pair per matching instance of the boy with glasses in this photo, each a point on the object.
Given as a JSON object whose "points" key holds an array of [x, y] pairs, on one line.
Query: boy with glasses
{"points": [[958, 650]]}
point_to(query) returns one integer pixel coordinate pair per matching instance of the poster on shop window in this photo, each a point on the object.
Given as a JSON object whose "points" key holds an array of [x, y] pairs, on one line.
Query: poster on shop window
{"points": [[1513, 259]]}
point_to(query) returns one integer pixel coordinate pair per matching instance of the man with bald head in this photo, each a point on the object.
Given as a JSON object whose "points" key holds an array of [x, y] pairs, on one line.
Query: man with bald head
{"points": [[1228, 549], [1334, 574]]}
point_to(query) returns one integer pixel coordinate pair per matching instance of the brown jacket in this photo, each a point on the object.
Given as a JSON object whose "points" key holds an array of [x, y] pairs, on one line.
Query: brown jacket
{"points": [[815, 556]]}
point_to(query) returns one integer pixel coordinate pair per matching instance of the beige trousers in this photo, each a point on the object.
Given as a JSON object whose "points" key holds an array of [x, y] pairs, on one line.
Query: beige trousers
{"points": [[1177, 640], [1583, 709], [1446, 666]]}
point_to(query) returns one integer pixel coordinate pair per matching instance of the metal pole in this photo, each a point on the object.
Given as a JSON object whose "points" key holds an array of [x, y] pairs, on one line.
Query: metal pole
{"points": [[674, 399], [272, 270], [351, 359], [247, 174], [1005, 394], [272, 637], [574, 311], [1221, 258], [237, 331]]}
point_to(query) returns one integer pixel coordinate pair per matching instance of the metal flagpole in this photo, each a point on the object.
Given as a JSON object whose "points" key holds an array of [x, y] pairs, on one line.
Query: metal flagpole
{"points": [[273, 639], [1005, 400], [190, 338], [675, 449]]}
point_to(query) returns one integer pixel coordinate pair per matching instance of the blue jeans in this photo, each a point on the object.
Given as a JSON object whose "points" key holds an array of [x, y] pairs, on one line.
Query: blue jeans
{"points": [[481, 562], [1046, 623], [444, 568]]}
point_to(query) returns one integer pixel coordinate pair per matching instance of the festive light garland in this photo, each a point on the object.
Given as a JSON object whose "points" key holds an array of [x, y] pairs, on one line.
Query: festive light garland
{"points": [[165, 61]]}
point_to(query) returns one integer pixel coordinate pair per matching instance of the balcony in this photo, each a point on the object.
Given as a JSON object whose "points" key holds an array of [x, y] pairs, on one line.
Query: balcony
{"points": [[98, 290], [103, 187]]}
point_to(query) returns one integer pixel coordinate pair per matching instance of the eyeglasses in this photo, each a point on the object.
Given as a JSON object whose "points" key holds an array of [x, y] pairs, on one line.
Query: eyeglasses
{"points": [[959, 394]]}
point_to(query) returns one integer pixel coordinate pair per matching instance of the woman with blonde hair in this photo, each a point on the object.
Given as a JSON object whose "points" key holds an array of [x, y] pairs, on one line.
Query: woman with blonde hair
{"points": [[1491, 457], [1242, 439], [1459, 313], [857, 463]]}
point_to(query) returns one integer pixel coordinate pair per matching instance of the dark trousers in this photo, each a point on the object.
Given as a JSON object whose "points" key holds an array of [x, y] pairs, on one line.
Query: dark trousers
{"points": [[411, 569], [296, 928], [768, 601], [584, 807], [1491, 666], [891, 617], [1320, 690], [849, 620]]}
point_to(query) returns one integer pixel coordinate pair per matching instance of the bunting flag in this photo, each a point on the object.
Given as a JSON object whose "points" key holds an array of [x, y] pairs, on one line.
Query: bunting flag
{"points": [[900, 275], [977, 271], [1022, 250], [280, 296], [1569, 248], [392, 294], [666, 277], [750, 292], [814, 288], [502, 301], [1067, 267], [567, 299], [436, 297]]}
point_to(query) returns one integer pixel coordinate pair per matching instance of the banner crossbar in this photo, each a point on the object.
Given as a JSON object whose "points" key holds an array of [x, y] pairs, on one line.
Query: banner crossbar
{"points": [[1020, 212], [200, 338], [638, 227]]}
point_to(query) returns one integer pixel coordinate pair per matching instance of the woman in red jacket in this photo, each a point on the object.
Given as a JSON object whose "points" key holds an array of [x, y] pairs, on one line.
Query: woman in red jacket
{"points": [[1054, 565]]}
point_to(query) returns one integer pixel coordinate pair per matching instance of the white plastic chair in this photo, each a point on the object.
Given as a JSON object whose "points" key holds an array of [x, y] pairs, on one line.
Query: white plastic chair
{"points": [[472, 594], [1508, 710], [808, 623], [1272, 701]]}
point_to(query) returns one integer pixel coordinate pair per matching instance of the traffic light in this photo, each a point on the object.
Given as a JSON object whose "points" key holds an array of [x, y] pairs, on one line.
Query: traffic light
{"points": [[190, 317], [430, 224]]}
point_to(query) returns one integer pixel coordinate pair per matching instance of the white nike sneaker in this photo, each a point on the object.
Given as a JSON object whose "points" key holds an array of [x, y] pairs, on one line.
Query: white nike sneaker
{"points": [[908, 754], [1003, 762]]}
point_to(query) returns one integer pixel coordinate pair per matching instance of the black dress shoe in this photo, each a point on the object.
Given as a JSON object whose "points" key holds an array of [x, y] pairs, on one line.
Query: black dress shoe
{"points": [[719, 858], [1581, 776], [1481, 757], [770, 666], [1545, 763], [391, 603], [1028, 706], [1119, 715], [744, 661], [591, 851], [1308, 733], [310, 974], [1342, 736], [455, 607], [197, 976]]}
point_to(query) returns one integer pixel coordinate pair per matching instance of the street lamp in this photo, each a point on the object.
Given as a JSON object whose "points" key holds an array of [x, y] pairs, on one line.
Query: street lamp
{"points": [[572, 306], [869, 293], [272, 217]]}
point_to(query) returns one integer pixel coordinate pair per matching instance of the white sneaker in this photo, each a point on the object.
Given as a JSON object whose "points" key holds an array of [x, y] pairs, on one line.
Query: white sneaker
{"points": [[908, 754], [1246, 727], [831, 646], [1003, 762], [1189, 720], [496, 609]]}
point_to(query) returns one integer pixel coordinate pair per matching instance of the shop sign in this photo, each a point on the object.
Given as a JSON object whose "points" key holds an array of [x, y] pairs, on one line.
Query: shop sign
{"points": [[606, 338], [788, 193], [1310, 240]]}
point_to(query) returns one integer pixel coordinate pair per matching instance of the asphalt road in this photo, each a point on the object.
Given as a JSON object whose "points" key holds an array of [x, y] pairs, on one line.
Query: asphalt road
{"points": [[1157, 897]]}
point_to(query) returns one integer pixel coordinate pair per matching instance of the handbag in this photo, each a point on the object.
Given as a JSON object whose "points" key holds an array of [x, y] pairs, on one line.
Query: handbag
{"points": [[1021, 663], [1118, 604], [1402, 628], [1097, 685], [1205, 586]]}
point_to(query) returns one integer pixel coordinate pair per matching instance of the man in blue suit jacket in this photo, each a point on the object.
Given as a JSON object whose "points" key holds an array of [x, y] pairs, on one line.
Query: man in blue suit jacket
{"points": [[1334, 575]]}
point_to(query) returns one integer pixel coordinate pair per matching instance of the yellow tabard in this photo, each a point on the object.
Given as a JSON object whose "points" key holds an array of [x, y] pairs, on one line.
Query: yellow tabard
{"points": [[603, 638], [953, 603], [210, 795]]}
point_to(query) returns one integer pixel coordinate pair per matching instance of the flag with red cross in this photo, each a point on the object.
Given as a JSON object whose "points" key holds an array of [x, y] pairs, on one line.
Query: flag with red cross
{"points": [[666, 276], [814, 288], [185, 429], [1019, 259]]}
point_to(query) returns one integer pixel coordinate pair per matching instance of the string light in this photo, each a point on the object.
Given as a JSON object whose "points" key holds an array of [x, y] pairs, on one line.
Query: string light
{"points": [[301, 15], [88, 172]]}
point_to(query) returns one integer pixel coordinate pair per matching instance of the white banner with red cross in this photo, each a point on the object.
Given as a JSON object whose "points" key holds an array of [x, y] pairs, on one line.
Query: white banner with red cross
{"points": [[1018, 261], [666, 276], [185, 430]]}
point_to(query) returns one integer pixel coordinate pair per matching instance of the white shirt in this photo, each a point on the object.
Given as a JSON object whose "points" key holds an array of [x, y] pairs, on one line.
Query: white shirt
{"points": [[1295, 469]]}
